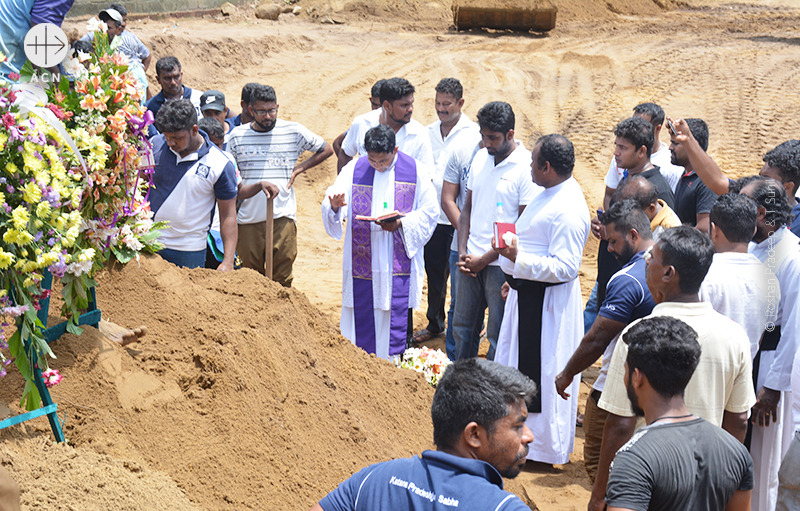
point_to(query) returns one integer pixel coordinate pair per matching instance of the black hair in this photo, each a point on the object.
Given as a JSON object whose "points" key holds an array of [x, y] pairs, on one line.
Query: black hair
{"points": [[167, 64], [771, 195], [264, 93], [735, 215], [379, 139], [213, 127], [450, 86], [627, 215], [496, 116], [655, 112], [83, 46], [475, 390], [176, 115], [636, 188], [736, 186], [638, 132], [786, 158], [375, 92], [558, 150], [699, 130], [247, 90], [665, 350], [395, 88], [119, 8], [690, 252]]}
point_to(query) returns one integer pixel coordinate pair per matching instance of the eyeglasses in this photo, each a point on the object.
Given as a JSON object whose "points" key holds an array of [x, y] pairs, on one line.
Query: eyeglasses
{"points": [[270, 112]]}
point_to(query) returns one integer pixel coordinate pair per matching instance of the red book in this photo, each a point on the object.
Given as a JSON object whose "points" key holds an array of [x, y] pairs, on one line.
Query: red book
{"points": [[501, 228]]}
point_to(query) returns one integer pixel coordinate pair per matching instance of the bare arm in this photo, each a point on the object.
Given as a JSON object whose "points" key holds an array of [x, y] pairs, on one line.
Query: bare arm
{"points": [[607, 198], [592, 346], [343, 159], [702, 164], [229, 231], [463, 225], [315, 160], [249, 190], [616, 432], [146, 61], [735, 424], [703, 223], [739, 502], [337, 147], [449, 195]]}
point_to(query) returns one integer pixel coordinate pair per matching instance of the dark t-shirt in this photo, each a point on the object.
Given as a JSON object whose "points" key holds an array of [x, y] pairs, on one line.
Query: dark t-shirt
{"points": [[627, 295], [692, 198], [691, 466], [607, 264]]}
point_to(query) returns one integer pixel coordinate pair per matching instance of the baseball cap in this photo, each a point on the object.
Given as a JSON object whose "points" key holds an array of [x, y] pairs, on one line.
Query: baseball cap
{"points": [[212, 100], [107, 14]]}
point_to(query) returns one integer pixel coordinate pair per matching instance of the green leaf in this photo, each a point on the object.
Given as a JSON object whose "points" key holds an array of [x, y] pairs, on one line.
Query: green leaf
{"points": [[73, 328], [123, 254], [26, 73]]}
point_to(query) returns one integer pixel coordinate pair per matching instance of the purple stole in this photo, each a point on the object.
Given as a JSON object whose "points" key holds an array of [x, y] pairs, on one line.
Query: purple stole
{"points": [[405, 184]]}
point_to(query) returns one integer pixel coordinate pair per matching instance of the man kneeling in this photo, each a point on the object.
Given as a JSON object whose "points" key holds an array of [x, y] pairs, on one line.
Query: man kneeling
{"points": [[478, 414], [678, 461]]}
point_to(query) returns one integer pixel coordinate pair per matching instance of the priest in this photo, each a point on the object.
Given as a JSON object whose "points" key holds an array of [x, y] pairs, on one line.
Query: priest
{"points": [[542, 325], [383, 260]]}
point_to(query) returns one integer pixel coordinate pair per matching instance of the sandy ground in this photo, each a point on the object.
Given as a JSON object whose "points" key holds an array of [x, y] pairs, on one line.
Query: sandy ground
{"points": [[734, 65]]}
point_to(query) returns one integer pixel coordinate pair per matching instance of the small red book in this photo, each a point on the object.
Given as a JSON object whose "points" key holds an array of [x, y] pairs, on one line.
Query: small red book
{"points": [[501, 228]]}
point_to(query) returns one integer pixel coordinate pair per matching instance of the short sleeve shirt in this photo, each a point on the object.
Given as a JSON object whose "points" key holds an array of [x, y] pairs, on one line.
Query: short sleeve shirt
{"points": [[457, 172], [689, 465], [693, 198], [723, 380], [434, 481], [509, 182], [270, 156]]}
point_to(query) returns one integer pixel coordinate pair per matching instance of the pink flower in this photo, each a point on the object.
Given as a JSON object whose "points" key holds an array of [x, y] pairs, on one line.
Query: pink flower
{"points": [[51, 377], [19, 310], [13, 76]]}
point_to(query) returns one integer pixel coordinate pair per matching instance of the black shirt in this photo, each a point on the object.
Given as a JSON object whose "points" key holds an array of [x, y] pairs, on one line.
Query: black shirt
{"points": [[688, 466], [607, 264], [692, 198]]}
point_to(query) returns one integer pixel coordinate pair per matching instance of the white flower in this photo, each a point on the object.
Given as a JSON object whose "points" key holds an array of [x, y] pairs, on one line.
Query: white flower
{"points": [[73, 67], [79, 268], [96, 25]]}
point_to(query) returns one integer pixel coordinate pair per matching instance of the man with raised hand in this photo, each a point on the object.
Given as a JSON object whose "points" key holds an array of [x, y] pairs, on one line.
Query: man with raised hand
{"points": [[541, 322], [382, 259], [478, 415], [499, 184], [679, 460], [453, 131]]}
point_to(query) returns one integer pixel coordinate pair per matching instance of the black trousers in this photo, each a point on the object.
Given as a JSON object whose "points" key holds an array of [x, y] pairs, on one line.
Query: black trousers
{"points": [[437, 268]]}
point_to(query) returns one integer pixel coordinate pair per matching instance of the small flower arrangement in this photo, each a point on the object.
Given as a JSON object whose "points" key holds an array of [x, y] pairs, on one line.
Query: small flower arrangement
{"points": [[431, 363]]}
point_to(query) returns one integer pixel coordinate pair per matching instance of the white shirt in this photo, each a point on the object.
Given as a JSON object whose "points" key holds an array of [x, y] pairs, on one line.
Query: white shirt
{"points": [[661, 158], [509, 182], [464, 134], [737, 286], [411, 139]]}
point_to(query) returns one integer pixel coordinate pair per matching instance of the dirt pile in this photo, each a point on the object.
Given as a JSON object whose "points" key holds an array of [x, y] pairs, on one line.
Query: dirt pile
{"points": [[242, 393]]}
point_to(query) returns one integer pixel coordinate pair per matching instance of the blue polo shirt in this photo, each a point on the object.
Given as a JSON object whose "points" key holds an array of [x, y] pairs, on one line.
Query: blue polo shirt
{"points": [[434, 481], [627, 295], [186, 190]]}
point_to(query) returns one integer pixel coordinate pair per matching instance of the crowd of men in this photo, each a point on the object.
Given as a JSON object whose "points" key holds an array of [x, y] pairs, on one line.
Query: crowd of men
{"points": [[694, 313]]}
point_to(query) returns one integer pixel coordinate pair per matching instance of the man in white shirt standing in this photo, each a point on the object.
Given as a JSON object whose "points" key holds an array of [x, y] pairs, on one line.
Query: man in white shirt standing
{"points": [[268, 149], [397, 106], [499, 183], [452, 131]]}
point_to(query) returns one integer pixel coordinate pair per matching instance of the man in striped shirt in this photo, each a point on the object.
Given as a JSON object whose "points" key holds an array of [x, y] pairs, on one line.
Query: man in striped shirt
{"points": [[268, 149]]}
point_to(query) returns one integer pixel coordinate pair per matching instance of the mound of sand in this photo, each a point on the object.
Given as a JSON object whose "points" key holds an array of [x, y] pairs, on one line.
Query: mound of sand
{"points": [[242, 394]]}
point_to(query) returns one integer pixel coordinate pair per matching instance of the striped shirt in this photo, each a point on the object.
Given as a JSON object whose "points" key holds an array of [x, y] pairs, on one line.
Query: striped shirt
{"points": [[270, 156]]}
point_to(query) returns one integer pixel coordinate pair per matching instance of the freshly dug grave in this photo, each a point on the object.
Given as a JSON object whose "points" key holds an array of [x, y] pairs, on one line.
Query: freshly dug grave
{"points": [[242, 393]]}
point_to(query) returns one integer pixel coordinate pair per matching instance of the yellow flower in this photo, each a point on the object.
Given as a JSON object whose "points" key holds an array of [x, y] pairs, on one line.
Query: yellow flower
{"points": [[4, 292], [20, 217], [72, 235], [76, 197], [23, 238], [2, 198], [5, 261], [3, 140], [32, 193], [74, 219], [38, 223], [43, 210], [11, 168], [29, 282]]}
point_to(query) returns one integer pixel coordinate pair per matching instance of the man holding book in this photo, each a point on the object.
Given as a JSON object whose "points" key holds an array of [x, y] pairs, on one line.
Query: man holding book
{"points": [[391, 210]]}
